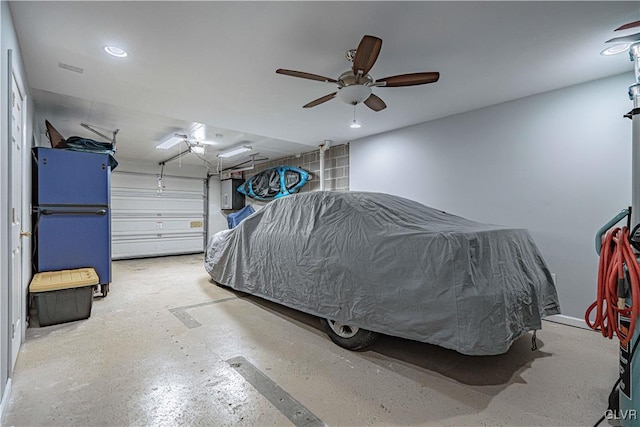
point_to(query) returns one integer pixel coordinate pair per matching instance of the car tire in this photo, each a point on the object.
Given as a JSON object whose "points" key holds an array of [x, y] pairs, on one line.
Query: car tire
{"points": [[347, 336]]}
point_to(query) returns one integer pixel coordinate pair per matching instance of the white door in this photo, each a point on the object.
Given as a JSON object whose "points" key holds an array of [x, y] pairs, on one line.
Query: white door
{"points": [[16, 299]]}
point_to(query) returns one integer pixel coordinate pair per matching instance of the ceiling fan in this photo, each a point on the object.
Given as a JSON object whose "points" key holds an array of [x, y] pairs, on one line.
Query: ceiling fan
{"points": [[354, 85]]}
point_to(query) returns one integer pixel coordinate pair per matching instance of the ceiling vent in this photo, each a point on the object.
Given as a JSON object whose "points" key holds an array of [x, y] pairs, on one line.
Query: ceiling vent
{"points": [[70, 68]]}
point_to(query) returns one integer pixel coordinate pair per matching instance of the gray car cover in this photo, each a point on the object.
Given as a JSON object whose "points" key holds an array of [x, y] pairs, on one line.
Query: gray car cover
{"points": [[390, 265]]}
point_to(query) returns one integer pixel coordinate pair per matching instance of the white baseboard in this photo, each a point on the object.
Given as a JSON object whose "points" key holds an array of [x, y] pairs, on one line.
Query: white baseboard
{"points": [[568, 320], [6, 396]]}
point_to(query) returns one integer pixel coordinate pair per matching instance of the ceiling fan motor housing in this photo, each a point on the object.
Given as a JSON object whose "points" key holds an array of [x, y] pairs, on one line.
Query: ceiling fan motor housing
{"points": [[348, 78], [354, 89]]}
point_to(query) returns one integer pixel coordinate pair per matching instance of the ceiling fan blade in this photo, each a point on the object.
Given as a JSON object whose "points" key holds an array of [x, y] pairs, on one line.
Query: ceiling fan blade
{"points": [[366, 54], [375, 103], [320, 100], [304, 75], [629, 25], [625, 39], [412, 79]]}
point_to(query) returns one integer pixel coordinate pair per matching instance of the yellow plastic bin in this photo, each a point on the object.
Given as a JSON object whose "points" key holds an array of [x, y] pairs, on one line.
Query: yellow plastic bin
{"points": [[63, 296]]}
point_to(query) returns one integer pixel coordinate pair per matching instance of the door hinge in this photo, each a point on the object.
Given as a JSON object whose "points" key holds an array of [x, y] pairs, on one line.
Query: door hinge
{"points": [[13, 330], [13, 99], [13, 215]]}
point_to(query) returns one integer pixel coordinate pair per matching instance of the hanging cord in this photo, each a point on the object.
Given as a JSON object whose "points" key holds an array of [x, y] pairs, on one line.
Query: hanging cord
{"points": [[618, 269], [616, 259]]}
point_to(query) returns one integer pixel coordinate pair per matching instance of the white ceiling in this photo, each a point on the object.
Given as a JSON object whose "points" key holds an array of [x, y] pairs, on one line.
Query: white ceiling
{"points": [[214, 63]]}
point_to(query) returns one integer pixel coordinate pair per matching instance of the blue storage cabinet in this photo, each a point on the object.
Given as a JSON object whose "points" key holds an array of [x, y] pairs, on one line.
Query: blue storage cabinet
{"points": [[71, 212]]}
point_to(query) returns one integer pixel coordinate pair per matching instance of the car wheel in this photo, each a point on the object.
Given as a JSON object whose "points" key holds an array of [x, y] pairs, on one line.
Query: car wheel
{"points": [[347, 336]]}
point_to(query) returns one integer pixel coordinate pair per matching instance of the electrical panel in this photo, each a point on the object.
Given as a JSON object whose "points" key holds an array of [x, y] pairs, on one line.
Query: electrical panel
{"points": [[229, 196]]}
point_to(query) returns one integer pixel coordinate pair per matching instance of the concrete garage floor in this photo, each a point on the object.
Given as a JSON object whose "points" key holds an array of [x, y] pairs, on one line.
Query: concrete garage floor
{"points": [[167, 347]]}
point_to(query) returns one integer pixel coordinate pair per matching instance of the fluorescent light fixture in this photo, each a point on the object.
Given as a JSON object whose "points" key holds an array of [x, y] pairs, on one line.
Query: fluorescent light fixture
{"points": [[235, 151], [116, 51], [197, 149], [170, 142], [615, 49]]}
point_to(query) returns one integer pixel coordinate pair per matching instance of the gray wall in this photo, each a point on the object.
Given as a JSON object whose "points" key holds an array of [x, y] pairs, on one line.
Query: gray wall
{"points": [[557, 163]]}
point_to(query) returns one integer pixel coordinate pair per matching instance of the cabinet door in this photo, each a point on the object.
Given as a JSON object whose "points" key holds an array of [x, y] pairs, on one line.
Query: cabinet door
{"points": [[78, 238], [65, 177]]}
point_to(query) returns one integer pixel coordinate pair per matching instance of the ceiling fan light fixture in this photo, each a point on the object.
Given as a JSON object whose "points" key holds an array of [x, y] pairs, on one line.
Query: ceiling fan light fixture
{"points": [[354, 94], [615, 49], [235, 151]]}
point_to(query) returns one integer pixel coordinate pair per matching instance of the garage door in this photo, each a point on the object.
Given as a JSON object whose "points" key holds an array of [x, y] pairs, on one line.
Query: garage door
{"points": [[148, 222]]}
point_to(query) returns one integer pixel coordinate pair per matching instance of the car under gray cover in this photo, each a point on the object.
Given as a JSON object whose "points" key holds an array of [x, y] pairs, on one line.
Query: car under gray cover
{"points": [[390, 265]]}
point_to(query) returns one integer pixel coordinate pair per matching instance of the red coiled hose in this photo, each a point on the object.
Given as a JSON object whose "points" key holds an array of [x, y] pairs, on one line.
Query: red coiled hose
{"points": [[615, 254]]}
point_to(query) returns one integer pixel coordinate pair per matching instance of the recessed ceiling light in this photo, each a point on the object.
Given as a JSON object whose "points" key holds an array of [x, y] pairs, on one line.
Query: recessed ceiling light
{"points": [[116, 51], [615, 49]]}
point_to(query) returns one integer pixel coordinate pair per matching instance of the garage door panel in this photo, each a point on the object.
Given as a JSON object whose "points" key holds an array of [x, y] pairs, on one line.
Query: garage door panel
{"points": [[162, 205], [121, 237], [124, 225], [129, 181], [147, 247], [148, 222]]}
